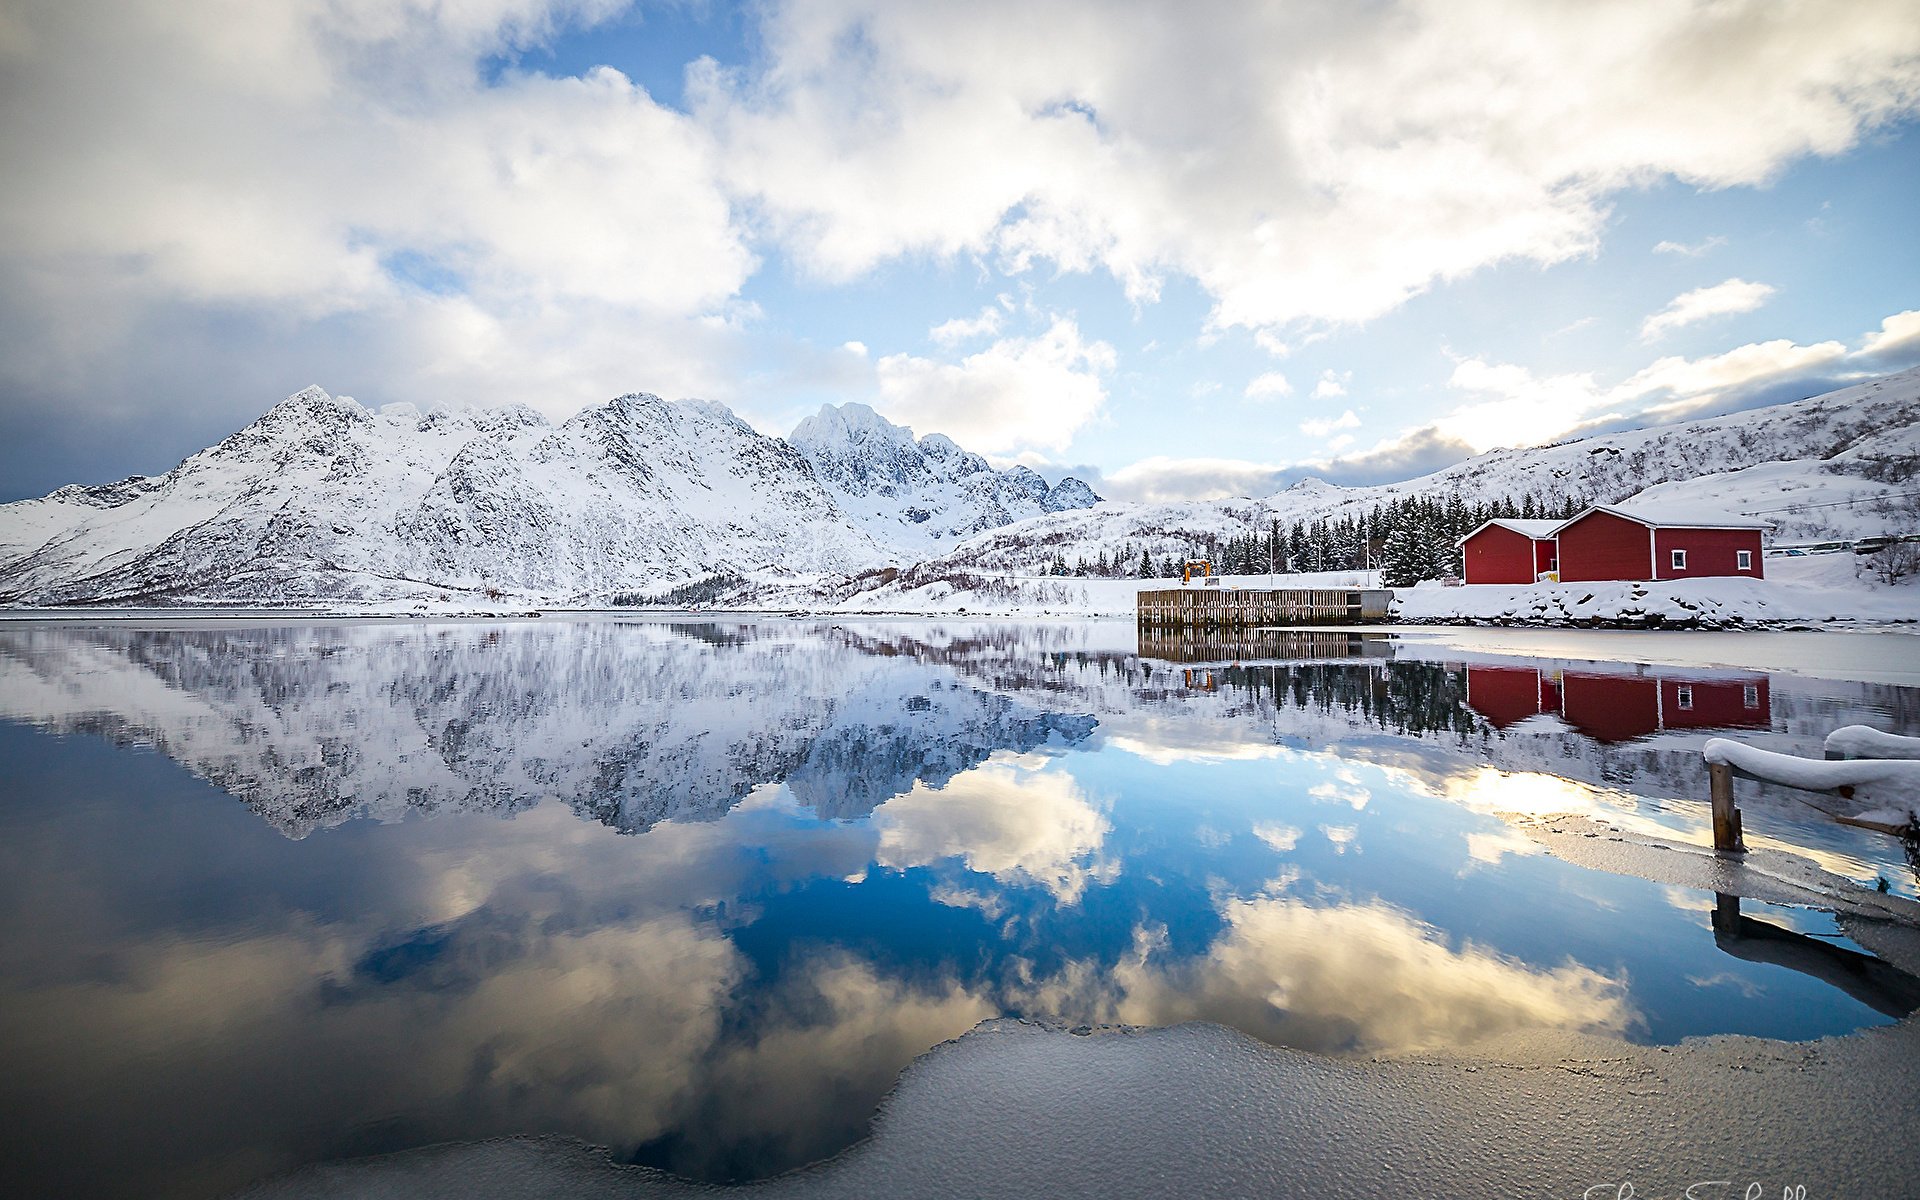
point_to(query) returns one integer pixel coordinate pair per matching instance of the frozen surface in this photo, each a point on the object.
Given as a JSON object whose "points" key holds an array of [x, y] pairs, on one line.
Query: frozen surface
{"points": [[1199, 1110]]}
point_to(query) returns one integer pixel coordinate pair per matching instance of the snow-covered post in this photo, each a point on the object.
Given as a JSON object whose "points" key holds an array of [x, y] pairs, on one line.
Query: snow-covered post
{"points": [[1726, 818]]}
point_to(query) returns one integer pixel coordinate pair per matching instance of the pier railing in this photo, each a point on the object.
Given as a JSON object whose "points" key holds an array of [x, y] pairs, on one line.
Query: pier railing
{"points": [[1217, 607]]}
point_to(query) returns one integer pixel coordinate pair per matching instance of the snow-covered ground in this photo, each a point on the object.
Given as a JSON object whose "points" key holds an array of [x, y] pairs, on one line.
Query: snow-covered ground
{"points": [[1815, 590]]}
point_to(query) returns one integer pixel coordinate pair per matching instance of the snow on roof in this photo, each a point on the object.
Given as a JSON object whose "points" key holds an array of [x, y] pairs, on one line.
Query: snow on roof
{"points": [[1537, 530], [1671, 516]]}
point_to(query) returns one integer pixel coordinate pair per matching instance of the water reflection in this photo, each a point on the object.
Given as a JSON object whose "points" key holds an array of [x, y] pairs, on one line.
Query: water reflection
{"points": [[700, 891]]}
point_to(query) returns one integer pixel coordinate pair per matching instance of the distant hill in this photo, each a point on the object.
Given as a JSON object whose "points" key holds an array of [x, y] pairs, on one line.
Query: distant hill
{"points": [[1843, 464]]}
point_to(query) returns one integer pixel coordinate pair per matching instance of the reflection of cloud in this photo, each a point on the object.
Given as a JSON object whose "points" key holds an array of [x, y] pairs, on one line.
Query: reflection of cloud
{"points": [[1344, 788], [599, 1032], [1361, 978], [1726, 979], [1341, 836], [1492, 847], [1166, 743], [809, 1079], [1281, 837], [1013, 823]]}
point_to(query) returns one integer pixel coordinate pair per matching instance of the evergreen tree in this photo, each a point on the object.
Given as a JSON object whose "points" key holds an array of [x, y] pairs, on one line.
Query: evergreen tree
{"points": [[1399, 565]]}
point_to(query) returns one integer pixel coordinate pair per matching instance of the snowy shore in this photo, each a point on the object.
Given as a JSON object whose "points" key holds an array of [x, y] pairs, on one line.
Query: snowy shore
{"points": [[1815, 592], [1799, 592]]}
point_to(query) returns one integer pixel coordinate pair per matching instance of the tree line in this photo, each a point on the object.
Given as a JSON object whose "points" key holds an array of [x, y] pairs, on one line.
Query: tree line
{"points": [[1407, 539]]}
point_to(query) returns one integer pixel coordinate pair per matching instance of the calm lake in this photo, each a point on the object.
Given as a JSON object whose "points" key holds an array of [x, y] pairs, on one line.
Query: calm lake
{"points": [[698, 891]]}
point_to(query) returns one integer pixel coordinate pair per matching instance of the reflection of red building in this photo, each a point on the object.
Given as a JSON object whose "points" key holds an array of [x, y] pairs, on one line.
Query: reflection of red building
{"points": [[1618, 707]]}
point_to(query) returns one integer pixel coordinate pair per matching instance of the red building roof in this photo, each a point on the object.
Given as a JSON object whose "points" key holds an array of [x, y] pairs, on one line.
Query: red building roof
{"points": [[1668, 516]]}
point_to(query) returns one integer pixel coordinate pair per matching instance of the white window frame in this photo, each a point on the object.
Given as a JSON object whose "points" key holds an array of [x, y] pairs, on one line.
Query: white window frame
{"points": [[1684, 696], [1677, 560], [1743, 560], [1750, 695]]}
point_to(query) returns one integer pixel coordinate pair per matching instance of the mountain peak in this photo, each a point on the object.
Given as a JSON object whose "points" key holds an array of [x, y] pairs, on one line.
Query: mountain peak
{"points": [[836, 427]]}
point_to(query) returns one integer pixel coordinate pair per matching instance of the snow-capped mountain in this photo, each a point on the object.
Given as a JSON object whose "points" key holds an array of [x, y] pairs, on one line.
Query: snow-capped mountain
{"points": [[921, 495], [321, 499], [1840, 464]]}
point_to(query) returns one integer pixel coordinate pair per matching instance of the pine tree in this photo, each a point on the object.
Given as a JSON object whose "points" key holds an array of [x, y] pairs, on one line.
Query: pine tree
{"points": [[1400, 558]]}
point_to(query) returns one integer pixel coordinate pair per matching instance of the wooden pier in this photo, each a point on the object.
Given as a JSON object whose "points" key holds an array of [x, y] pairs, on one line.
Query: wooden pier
{"points": [[1251, 644], [1218, 607]]}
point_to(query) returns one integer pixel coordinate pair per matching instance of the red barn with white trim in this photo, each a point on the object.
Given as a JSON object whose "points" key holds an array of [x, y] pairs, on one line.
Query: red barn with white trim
{"points": [[1505, 550], [1611, 541]]}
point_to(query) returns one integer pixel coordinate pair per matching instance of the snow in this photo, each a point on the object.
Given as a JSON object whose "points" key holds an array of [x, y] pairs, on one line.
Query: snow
{"points": [[918, 497], [1673, 515], [1711, 603], [1864, 741], [1532, 529], [1889, 784]]}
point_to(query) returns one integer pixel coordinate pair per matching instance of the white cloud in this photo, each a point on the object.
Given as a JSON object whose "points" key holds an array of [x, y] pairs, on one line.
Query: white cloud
{"points": [[1374, 151], [1325, 425], [1332, 385], [1020, 392], [1690, 250], [1722, 299], [313, 161], [1162, 478], [1268, 385], [965, 329], [1897, 340], [1513, 406]]}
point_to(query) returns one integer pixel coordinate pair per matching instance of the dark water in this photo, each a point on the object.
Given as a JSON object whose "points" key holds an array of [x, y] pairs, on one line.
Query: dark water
{"points": [[699, 892]]}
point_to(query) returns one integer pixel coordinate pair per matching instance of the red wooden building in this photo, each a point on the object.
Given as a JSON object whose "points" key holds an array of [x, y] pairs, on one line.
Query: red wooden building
{"points": [[1509, 551], [1610, 541]]}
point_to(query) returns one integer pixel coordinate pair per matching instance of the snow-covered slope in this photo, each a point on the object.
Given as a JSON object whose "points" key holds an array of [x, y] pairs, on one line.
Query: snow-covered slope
{"points": [[920, 496], [1840, 465], [321, 499]]}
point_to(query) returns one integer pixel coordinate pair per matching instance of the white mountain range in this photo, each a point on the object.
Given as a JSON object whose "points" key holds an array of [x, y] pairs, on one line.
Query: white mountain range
{"points": [[324, 501]]}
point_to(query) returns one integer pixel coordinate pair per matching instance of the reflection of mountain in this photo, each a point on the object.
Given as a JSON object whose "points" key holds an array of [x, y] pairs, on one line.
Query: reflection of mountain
{"points": [[630, 724]]}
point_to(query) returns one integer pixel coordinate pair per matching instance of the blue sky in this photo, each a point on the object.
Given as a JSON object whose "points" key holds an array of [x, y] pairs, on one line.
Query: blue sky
{"points": [[1180, 250]]}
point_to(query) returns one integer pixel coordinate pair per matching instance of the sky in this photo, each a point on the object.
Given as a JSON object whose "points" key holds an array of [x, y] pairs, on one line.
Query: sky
{"points": [[1180, 250]]}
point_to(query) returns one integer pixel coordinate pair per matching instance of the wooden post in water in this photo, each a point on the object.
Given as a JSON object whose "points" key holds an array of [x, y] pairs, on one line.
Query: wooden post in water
{"points": [[1726, 818]]}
